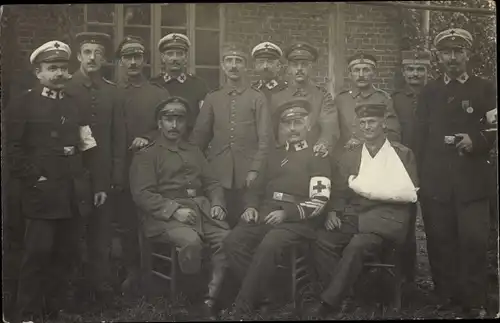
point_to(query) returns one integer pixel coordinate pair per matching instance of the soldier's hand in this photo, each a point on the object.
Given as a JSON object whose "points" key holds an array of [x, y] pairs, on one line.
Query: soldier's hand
{"points": [[138, 143], [217, 212], [251, 176], [320, 149], [185, 215], [352, 143], [250, 215], [332, 221], [275, 217], [100, 198], [491, 116], [465, 144]]}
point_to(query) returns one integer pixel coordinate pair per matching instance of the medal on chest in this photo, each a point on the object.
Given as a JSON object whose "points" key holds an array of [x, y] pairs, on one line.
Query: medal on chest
{"points": [[467, 107]]}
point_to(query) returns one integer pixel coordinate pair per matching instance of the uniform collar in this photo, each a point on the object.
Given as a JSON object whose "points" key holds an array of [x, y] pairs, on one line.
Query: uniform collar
{"points": [[355, 92], [462, 78], [300, 90], [181, 78], [298, 146], [270, 85], [135, 82], [235, 89], [163, 142], [79, 77], [51, 94]]}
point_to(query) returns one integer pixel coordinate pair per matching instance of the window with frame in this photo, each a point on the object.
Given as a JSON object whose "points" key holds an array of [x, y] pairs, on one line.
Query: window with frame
{"points": [[201, 22]]}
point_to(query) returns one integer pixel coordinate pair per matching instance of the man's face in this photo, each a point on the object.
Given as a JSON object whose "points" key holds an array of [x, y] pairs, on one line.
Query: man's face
{"points": [[172, 127], [300, 69], [91, 57], [415, 74], [362, 75], [372, 128], [175, 60], [52, 74], [454, 60], [234, 67], [132, 63], [267, 68], [293, 130]]}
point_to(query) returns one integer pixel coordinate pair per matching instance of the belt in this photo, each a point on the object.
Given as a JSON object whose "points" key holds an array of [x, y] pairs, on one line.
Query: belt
{"points": [[279, 196], [183, 193]]}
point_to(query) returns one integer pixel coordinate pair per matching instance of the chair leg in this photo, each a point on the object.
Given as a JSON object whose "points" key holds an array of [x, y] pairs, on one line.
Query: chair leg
{"points": [[293, 257], [173, 272], [145, 262], [398, 281]]}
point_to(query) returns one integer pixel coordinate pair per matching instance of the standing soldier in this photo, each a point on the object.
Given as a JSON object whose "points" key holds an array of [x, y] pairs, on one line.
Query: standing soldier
{"points": [[46, 136], [181, 202], [267, 65], [136, 122], [235, 120], [415, 66], [452, 155], [361, 69], [174, 55], [323, 118], [98, 97]]}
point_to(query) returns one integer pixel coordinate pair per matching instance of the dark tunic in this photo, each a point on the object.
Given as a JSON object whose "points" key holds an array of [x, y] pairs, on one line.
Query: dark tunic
{"points": [[99, 99], [405, 106], [193, 89], [161, 179], [38, 129], [236, 123], [269, 88], [442, 111]]}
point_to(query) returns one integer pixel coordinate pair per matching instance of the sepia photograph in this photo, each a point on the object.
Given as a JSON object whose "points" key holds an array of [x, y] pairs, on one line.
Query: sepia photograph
{"points": [[264, 161]]}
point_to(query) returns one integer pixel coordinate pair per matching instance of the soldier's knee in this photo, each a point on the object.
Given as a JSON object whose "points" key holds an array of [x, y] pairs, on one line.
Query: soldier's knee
{"points": [[271, 244], [357, 245]]}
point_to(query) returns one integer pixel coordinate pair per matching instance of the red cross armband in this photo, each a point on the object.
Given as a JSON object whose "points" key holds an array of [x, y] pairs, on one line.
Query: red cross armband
{"points": [[319, 194]]}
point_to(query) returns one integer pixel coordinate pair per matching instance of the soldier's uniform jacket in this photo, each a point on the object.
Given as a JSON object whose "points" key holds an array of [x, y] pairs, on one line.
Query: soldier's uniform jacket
{"points": [[165, 177], [347, 100], [236, 123], [405, 106], [135, 118], [285, 185], [390, 220], [270, 88], [99, 100], [444, 110], [43, 137], [187, 86], [323, 116]]}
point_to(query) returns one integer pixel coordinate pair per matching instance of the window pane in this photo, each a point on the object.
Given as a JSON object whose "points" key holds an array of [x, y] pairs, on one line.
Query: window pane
{"points": [[210, 76], [103, 12], [110, 50], [207, 47], [137, 14], [173, 14], [145, 34], [207, 15]]}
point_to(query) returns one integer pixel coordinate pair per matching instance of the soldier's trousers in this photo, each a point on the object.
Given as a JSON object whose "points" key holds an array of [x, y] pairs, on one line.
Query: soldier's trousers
{"points": [[125, 215], [96, 231], [234, 204], [254, 252], [457, 244], [50, 253], [190, 245], [409, 256], [339, 257]]}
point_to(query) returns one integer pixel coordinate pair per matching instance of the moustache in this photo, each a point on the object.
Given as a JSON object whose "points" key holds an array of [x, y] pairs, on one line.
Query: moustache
{"points": [[233, 70]]}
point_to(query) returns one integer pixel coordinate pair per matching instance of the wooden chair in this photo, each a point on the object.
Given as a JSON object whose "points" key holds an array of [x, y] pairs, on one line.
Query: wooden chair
{"points": [[150, 255], [296, 266]]}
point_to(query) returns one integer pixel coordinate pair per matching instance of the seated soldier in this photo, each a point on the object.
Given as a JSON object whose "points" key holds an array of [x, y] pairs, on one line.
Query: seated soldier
{"points": [[179, 199], [282, 208], [361, 217]]}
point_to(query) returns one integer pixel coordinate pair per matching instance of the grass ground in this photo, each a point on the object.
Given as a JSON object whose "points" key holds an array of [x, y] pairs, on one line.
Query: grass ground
{"points": [[367, 302]]}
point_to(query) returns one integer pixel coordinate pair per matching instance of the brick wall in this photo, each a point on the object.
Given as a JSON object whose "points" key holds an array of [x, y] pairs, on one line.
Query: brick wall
{"points": [[365, 28]]}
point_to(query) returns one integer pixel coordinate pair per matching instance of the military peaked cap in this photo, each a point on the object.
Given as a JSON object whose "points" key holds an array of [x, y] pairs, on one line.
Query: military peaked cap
{"points": [[370, 110], [93, 38], [361, 58], [292, 109], [163, 109], [301, 50], [454, 37], [268, 50], [131, 45], [174, 40], [416, 57], [232, 49], [51, 51]]}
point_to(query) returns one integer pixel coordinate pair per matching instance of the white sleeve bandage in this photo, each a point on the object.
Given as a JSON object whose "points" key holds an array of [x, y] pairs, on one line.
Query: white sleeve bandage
{"points": [[319, 194], [87, 141]]}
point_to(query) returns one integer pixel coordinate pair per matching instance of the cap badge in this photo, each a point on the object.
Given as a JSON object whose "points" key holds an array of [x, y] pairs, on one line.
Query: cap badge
{"points": [[56, 45], [452, 32]]}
